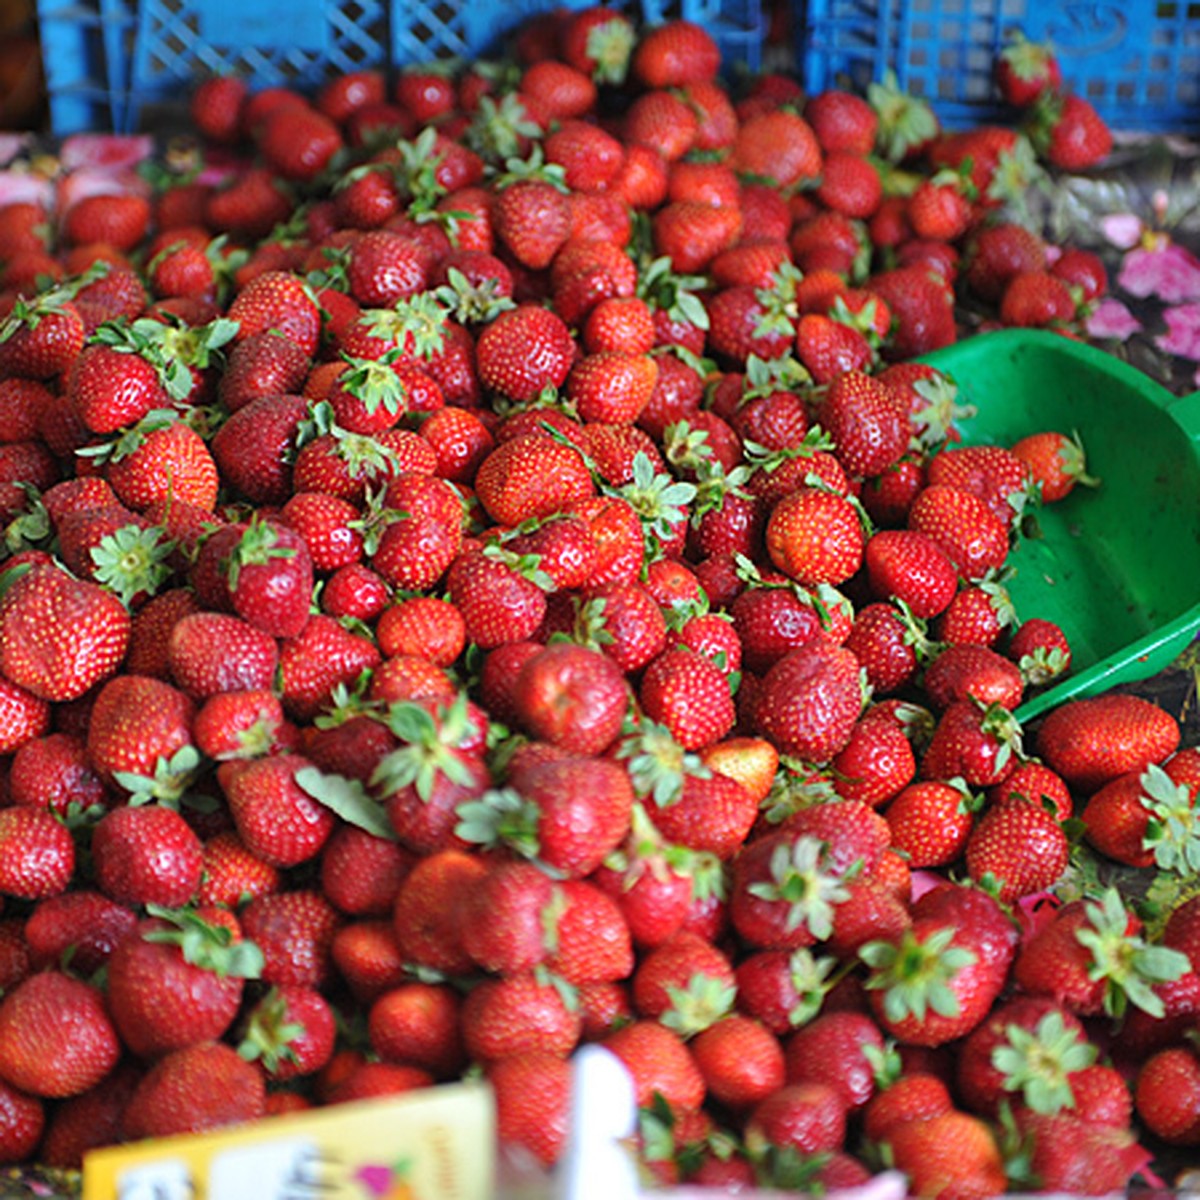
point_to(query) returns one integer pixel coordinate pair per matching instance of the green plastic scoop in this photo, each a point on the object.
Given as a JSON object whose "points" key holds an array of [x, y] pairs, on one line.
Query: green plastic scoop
{"points": [[1118, 566]]}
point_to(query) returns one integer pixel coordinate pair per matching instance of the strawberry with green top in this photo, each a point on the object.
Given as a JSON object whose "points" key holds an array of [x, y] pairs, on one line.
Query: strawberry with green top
{"points": [[291, 1031]]}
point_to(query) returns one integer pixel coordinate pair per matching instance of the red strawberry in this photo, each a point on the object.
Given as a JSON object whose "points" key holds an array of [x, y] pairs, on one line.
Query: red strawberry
{"points": [[948, 1152], [805, 1118], [931, 822], [1078, 137], [146, 855], [971, 535], [810, 700], [59, 636], [1021, 846], [1089, 742], [1025, 70], [1037, 298], [194, 1090], [815, 536], [910, 566], [1167, 1096], [532, 1092], [982, 744], [972, 672], [572, 697], [674, 54], [741, 1061], [660, 1063], [690, 695], [1056, 462]]}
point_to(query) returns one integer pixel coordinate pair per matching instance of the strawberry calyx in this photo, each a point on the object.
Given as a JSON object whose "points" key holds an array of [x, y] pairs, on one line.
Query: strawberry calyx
{"points": [[416, 172], [663, 288], [374, 383], [905, 122], [501, 128], [416, 325], [781, 309], [796, 786], [30, 527], [428, 750], [268, 1034], [801, 878], [501, 817], [170, 780], [1027, 60], [609, 45], [1038, 1063], [813, 977], [132, 562], [999, 724], [533, 169], [473, 304], [259, 546], [1128, 964], [933, 421], [659, 500], [528, 566], [1072, 460], [887, 1067], [657, 764], [765, 376], [701, 1002], [1173, 830], [1017, 172], [915, 974], [1042, 665], [348, 798], [208, 945]]}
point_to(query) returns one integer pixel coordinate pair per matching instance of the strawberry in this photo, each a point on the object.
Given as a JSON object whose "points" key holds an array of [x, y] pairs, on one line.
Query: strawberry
{"points": [[1091, 959], [279, 301], [524, 351], [815, 537], [998, 253], [276, 818], [1166, 1095], [685, 983], [1077, 136], [1020, 846], [977, 615], [1041, 651], [980, 743], [146, 855], [573, 697], [532, 1091], [259, 467], [876, 763], [56, 1038], [570, 812], [923, 310], [675, 54], [418, 1023], [532, 216], [992, 473], [972, 672], [532, 476], [178, 980], [690, 234], [210, 653], [517, 1015], [810, 701], [119, 221], [1056, 462], [59, 636], [594, 943], [1026, 70], [232, 874], [970, 534], [268, 573], [1037, 298], [295, 931], [312, 664], [741, 1061], [931, 822], [290, 1031], [1089, 742], [908, 565], [200, 1088], [842, 120], [946, 1153], [805, 1118], [690, 695], [53, 772], [660, 1063], [779, 146]]}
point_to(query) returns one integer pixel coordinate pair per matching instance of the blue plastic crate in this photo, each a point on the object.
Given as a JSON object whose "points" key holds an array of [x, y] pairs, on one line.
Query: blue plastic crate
{"points": [[1137, 62], [117, 64]]}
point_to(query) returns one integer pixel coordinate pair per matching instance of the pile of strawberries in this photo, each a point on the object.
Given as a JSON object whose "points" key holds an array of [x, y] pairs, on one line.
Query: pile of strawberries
{"points": [[488, 577]]}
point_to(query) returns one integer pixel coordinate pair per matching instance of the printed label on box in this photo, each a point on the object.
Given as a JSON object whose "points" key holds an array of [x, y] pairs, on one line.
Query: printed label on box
{"points": [[435, 1144]]}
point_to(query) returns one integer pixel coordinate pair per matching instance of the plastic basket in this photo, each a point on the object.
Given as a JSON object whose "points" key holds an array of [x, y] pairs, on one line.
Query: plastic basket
{"points": [[121, 65], [1115, 566], [1137, 62]]}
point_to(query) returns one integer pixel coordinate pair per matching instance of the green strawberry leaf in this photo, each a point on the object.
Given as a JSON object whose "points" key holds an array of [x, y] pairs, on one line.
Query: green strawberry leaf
{"points": [[348, 799]]}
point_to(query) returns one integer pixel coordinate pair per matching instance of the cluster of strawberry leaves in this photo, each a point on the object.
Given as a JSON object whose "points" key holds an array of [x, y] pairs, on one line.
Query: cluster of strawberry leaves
{"points": [[489, 577]]}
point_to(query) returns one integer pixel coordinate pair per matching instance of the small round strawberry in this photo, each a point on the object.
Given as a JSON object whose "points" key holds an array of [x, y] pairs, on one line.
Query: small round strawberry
{"points": [[1041, 651], [741, 1061], [146, 855], [980, 743], [660, 1063], [970, 672], [524, 351], [1167, 1096], [806, 1118], [931, 822], [910, 566], [1026, 70], [1056, 461], [972, 536]]}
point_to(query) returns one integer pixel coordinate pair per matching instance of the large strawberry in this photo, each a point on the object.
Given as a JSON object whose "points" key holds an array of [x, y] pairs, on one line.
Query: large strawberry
{"points": [[59, 636]]}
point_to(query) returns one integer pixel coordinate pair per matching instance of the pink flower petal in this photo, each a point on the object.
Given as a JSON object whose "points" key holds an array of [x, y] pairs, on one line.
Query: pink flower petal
{"points": [[1123, 230], [1183, 331], [105, 150], [1169, 272], [1111, 319]]}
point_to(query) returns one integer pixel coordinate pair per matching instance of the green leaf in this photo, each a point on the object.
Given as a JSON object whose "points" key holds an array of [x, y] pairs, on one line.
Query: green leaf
{"points": [[348, 799]]}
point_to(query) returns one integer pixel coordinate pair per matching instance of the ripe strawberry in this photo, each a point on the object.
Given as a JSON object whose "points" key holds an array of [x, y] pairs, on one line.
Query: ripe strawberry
{"points": [[685, 983], [253, 449], [571, 696], [295, 932], [931, 822], [691, 234], [810, 700], [1056, 462], [910, 566], [970, 534], [1036, 298], [675, 54], [1020, 846], [876, 763], [660, 1063], [59, 636], [842, 120], [267, 572], [740, 1060], [203, 1087], [997, 253], [56, 1038], [1026, 70], [531, 476], [1040, 650], [1077, 137], [972, 672], [532, 1092], [517, 1015], [1167, 1096], [923, 309], [805, 1118], [290, 1031], [312, 665], [146, 855], [982, 744], [690, 695], [594, 944], [815, 537], [977, 615], [948, 1152], [1089, 742], [524, 351], [279, 301]]}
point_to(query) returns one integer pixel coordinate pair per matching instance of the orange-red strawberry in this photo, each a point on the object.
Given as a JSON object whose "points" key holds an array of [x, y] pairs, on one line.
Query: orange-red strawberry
{"points": [[1021, 846], [948, 1153], [690, 695], [741, 1061], [779, 146], [660, 1063], [675, 54], [1055, 461], [279, 301], [524, 351], [533, 1092], [815, 537], [971, 535]]}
